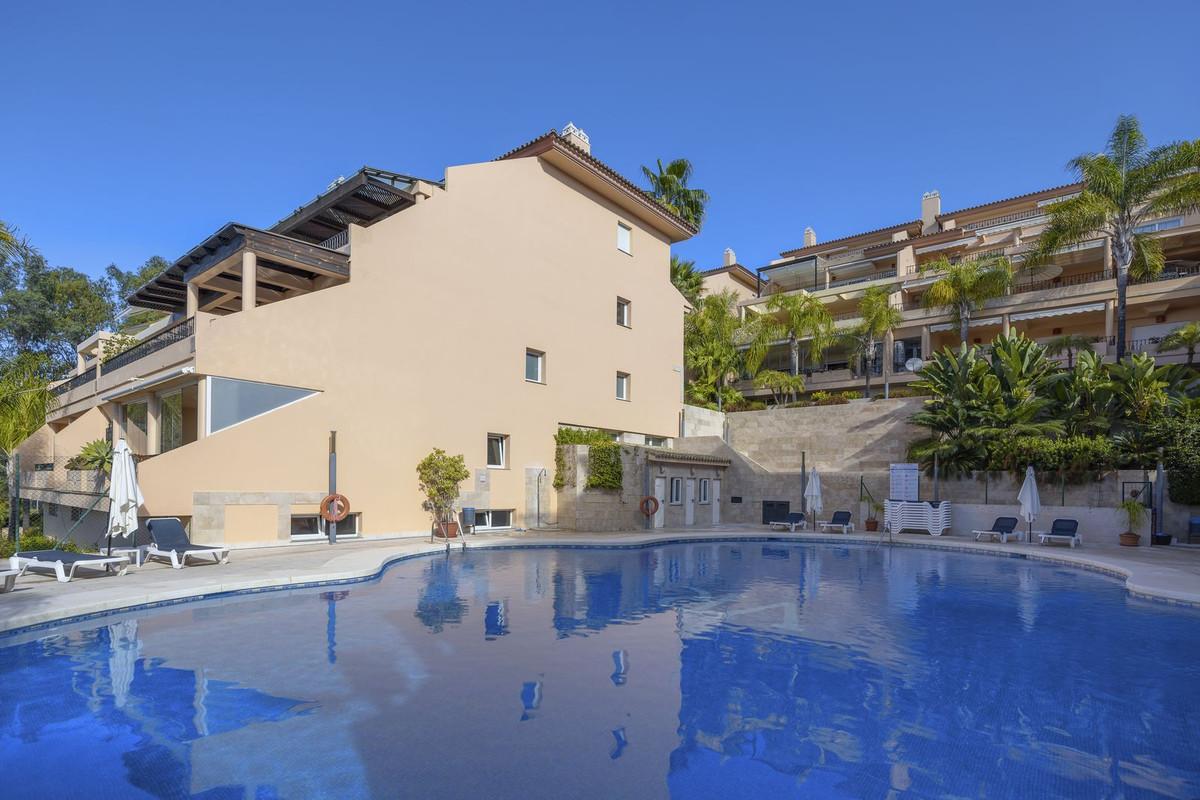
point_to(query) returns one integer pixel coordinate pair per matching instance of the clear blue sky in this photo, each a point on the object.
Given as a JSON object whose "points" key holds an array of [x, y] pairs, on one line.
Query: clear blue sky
{"points": [[135, 129]]}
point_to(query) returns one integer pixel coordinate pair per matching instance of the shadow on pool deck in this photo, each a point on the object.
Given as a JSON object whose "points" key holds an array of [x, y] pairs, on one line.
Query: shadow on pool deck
{"points": [[1171, 573]]}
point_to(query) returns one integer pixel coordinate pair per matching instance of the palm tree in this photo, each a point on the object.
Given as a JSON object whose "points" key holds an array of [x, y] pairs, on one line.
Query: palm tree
{"points": [[710, 350], [687, 280], [1186, 336], [966, 285], [7, 241], [25, 399], [669, 186], [802, 316], [1123, 187], [879, 318], [1069, 343]]}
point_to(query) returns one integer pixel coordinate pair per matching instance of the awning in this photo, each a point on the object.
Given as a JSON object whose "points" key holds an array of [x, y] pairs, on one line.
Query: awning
{"points": [[1057, 312], [975, 323]]}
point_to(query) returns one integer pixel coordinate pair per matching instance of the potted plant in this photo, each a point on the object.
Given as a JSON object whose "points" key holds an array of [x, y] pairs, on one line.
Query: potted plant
{"points": [[1135, 515], [873, 509], [439, 475]]}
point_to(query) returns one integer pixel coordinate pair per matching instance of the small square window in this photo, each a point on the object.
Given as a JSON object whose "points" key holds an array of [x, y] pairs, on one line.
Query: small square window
{"points": [[704, 490], [623, 315], [535, 366], [656, 441], [497, 450], [622, 385], [676, 491], [624, 235]]}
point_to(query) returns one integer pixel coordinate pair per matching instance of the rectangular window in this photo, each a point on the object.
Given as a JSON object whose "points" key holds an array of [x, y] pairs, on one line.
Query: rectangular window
{"points": [[136, 427], [497, 450], [656, 441], [77, 513], [52, 509], [1159, 225], [676, 491], [624, 234], [623, 317], [311, 526], [535, 366], [704, 490], [622, 385], [493, 518], [177, 418]]}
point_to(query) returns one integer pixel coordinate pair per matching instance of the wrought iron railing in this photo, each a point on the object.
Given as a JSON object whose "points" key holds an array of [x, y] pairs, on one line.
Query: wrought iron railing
{"points": [[338, 240], [178, 332], [1017, 216], [1170, 273], [1063, 280], [87, 376]]}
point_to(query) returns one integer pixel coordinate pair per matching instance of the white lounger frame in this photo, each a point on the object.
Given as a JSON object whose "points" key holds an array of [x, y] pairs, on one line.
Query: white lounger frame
{"points": [[1016, 534], [791, 526], [8, 579], [847, 528], [179, 559], [64, 575], [1046, 536]]}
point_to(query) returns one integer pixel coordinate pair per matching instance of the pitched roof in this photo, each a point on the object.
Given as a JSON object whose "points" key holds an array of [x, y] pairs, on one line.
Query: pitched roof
{"points": [[819, 246], [736, 271], [553, 141], [1037, 195]]}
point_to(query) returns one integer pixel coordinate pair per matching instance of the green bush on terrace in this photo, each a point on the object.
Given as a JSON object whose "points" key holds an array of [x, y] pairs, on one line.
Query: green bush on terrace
{"points": [[602, 474]]}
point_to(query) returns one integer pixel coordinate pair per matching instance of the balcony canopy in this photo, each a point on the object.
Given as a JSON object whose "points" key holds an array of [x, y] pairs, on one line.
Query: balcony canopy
{"points": [[364, 198], [285, 266]]}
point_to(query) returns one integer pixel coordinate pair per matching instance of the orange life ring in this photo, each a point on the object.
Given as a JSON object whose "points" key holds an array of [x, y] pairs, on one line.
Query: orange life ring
{"points": [[335, 508], [649, 505]]}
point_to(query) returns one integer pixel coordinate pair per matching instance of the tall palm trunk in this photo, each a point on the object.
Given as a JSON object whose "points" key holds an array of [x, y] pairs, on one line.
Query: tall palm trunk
{"points": [[1122, 247], [964, 322], [794, 347], [869, 364]]}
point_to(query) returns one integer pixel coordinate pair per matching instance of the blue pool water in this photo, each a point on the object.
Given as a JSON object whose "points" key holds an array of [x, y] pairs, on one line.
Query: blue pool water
{"points": [[714, 670]]}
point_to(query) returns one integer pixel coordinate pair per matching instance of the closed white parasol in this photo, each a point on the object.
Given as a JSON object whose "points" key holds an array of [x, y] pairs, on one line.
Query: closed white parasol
{"points": [[124, 495]]}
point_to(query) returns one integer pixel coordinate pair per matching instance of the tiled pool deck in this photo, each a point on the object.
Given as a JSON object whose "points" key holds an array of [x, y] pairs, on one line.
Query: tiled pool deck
{"points": [[1164, 573]]}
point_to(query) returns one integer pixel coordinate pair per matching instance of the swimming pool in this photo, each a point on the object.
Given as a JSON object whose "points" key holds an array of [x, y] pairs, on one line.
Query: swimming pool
{"points": [[703, 670]]}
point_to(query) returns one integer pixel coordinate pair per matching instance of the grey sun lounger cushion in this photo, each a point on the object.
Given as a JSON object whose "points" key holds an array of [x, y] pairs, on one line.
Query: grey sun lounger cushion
{"points": [[794, 519], [1063, 528], [1002, 527], [171, 541]]}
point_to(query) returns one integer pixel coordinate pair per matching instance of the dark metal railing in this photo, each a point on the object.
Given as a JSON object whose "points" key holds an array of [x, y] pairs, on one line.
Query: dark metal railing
{"points": [[87, 376], [338, 240], [1001, 220], [1171, 273], [878, 276], [178, 332], [1061, 281]]}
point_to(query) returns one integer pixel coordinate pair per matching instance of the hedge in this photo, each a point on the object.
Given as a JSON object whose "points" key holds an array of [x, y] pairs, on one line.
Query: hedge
{"points": [[604, 466], [593, 439], [1181, 458], [1076, 456]]}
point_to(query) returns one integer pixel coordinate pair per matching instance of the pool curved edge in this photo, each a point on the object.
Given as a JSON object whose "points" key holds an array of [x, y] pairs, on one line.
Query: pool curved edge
{"points": [[1143, 581]]}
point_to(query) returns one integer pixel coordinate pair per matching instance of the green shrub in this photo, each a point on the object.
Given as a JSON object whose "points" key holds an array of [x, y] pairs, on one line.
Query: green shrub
{"points": [[96, 454], [746, 405], [1180, 439], [829, 399], [604, 466], [36, 541], [585, 436], [1077, 457], [852, 394]]}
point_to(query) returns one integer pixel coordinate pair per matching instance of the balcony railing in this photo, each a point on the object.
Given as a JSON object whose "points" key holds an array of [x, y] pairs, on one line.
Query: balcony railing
{"points": [[841, 258], [1172, 272], [991, 222], [337, 241], [178, 332], [87, 376], [878, 276], [1067, 280]]}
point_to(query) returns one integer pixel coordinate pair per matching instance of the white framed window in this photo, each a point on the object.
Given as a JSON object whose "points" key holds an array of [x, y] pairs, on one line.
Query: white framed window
{"points": [[492, 519], [704, 490], [497, 451], [656, 441], [676, 491], [535, 366], [312, 526], [624, 318], [624, 237], [622, 385], [1159, 225]]}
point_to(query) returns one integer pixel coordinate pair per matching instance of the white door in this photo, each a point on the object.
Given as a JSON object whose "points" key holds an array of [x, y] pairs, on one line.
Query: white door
{"points": [[715, 499], [660, 493], [689, 503]]}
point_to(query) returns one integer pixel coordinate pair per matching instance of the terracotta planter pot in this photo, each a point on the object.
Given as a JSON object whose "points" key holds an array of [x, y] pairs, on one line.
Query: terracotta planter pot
{"points": [[1130, 539], [448, 530], [871, 524]]}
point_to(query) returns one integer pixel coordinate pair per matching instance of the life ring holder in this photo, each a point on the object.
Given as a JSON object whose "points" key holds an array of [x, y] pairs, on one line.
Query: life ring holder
{"points": [[335, 508], [649, 505]]}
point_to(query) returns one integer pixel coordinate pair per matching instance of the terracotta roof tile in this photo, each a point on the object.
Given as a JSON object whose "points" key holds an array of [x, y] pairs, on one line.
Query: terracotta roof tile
{"points": [[819, 246], [1064, 189]]}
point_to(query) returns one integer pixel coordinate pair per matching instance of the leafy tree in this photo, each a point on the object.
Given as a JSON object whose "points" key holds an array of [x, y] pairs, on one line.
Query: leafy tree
{"points": [[1123, 187], [669, 186], [879, 318], [123, 283], [710, 350], [1140, 393], [7, 240], [1186, 336], [687, 280], [25, 399], [47, 310], [966, 285], [438, 476], [1081, 399], [783, 387], [1069, 343]]}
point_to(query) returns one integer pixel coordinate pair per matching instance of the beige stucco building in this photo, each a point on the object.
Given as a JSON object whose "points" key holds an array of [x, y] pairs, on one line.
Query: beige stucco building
{"points": [[1076, 294], [476, 314]]}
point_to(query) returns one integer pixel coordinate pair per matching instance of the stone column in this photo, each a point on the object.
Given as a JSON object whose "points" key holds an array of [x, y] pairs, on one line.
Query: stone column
{"points": [[1110, 321], [249, 280], [889, 353], [193, 298], [153, 407], [925, 345], [1006, 324]]}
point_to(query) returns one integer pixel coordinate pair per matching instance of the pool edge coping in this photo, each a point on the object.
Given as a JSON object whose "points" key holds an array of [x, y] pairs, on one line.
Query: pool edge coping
{"points": [[636, 542]]}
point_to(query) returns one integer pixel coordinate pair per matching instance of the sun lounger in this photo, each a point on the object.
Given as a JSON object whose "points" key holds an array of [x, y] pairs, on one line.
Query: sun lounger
{"points": [[793, 520], [8, 579], [1062, 530], [840, 519], [1001, 529], [169, 540], [64, 563]]}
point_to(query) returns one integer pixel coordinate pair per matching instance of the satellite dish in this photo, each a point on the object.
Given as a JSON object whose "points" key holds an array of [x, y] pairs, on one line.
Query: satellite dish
{"points": [[914, 364]]}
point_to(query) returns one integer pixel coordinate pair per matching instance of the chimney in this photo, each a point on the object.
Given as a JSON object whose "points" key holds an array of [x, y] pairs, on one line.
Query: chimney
{"points": [[730, 257], [577, 137], [931, 206], [810, 237]]}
